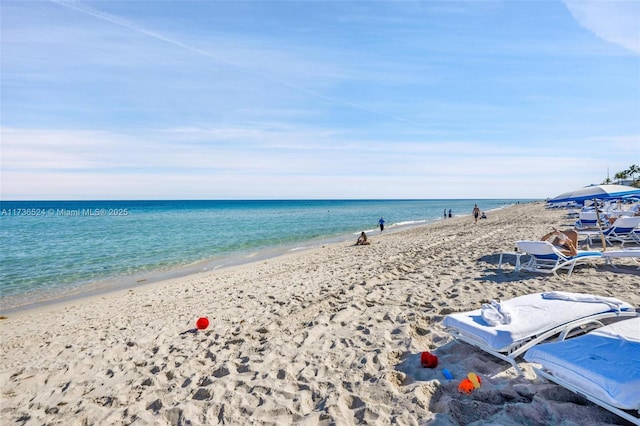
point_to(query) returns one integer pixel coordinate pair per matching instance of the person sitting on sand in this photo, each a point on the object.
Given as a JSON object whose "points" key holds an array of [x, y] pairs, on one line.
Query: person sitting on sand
{"points": [[483, 216], [565, 241], [362, 240]]}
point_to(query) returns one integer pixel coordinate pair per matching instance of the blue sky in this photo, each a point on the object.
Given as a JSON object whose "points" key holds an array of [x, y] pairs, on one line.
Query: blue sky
{"points": [[316, 99]]}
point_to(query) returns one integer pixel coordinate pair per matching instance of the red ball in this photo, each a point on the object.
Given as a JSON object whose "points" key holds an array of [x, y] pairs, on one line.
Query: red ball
{"points": [[202, 323], [428, 360]]}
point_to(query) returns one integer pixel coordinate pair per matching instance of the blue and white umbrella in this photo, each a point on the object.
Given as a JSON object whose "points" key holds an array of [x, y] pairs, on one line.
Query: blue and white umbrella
{"points": [[600, 192]]}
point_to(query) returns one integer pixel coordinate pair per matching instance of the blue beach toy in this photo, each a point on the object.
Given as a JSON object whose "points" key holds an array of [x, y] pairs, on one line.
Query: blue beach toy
{"points": [[447, 374]]}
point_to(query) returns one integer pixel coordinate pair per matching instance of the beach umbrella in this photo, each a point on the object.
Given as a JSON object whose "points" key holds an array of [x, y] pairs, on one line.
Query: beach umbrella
{"points": [[600, 192]]}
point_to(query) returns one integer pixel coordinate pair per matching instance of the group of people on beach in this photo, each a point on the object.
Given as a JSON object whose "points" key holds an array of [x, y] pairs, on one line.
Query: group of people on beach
{"points": [[363, 240], [477, 214], [565, 241]]}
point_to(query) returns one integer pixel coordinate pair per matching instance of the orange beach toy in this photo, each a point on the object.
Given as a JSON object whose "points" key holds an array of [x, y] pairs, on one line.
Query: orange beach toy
{"points": [[468, 384]]}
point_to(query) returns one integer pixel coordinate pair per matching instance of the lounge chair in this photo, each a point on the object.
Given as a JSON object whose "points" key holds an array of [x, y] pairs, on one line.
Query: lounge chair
{"points": [[603, 366], [622, 230], [534, 319], [609, 255], [589, 220], [546, 258]]}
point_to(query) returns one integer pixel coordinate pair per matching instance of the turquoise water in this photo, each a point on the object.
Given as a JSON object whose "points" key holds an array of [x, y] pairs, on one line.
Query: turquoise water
{"points": [[55, 248]]}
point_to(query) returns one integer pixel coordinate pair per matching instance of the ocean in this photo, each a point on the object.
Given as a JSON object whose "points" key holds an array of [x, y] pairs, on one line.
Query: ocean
{"points": [[59, 249]]}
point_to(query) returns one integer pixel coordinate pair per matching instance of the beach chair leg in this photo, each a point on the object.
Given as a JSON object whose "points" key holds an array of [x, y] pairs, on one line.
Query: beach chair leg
{"points": [[609, 261], [518, 262]]}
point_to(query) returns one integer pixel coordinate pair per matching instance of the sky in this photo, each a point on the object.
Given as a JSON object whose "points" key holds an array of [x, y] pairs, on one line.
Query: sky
{"points": [[316, 99]]}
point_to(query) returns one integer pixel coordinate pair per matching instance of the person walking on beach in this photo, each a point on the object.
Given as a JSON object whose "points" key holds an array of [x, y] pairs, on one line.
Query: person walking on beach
{"points": [[476, 213], [381, 224]]}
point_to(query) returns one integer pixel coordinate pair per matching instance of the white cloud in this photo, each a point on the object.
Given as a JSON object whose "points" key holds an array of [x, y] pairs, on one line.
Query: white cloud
{"points": [[191, 163], [615, 21]]}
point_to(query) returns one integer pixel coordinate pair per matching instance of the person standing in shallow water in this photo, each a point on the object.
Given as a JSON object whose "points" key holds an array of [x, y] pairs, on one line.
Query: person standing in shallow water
{"points": [[476, 213], [381, 224], [449, 212]]}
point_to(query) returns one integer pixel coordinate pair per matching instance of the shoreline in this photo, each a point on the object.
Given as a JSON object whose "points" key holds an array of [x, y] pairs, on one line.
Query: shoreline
{"points": [[331, 335], [116, 283]]}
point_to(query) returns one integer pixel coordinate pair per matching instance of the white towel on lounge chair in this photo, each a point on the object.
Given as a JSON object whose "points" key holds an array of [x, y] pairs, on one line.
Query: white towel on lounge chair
{"points": [[532, 314], [580, 297], [495, 313], [534, 319]]}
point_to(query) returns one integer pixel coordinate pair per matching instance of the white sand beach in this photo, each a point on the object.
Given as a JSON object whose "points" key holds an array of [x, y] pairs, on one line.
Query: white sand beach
{"points": [[326, 336]]}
